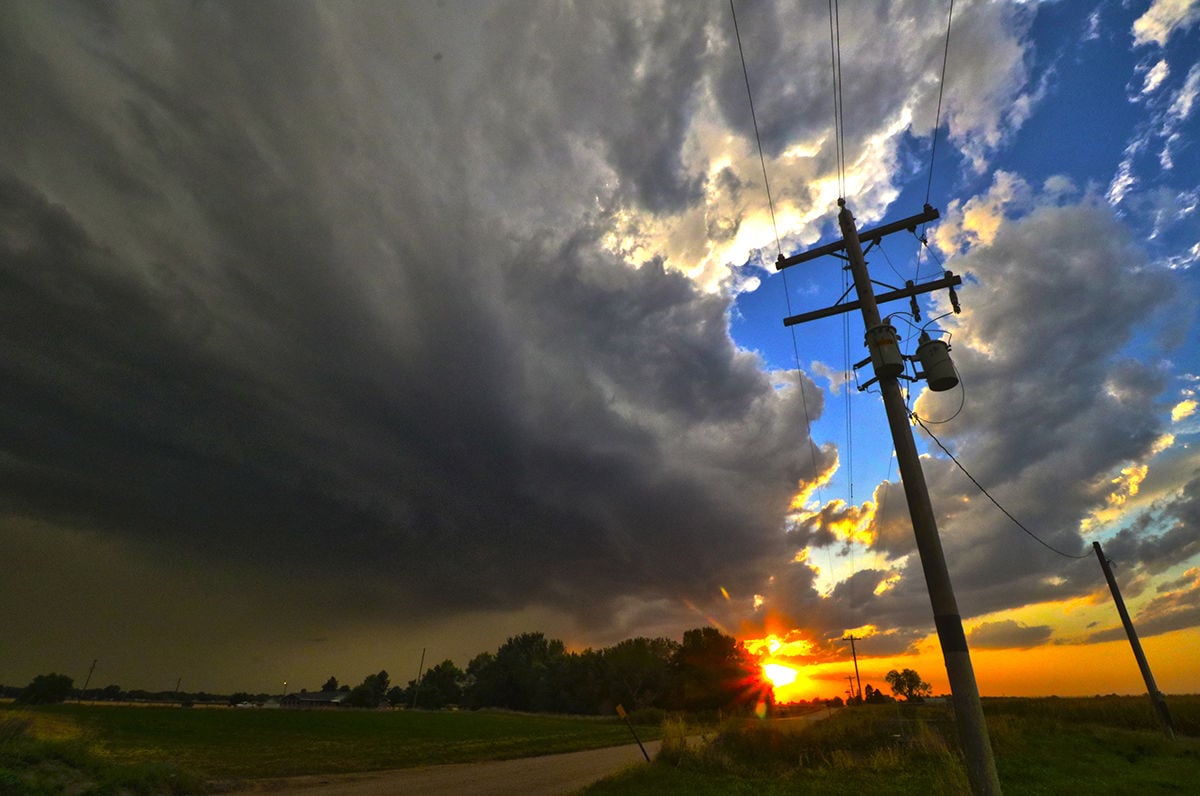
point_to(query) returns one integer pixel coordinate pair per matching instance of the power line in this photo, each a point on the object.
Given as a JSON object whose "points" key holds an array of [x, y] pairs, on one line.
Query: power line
{"points": [[754, 117], [937, 120], [839, 127], [924, 247], [986, 494], [812, 446], [962, 401], [835, 64]]}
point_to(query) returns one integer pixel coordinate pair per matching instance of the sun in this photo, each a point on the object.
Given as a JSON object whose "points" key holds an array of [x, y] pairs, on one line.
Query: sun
{"points": [[779, 675]]}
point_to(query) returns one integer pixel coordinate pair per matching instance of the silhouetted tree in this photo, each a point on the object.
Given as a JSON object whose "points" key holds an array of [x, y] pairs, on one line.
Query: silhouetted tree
{"points": [[524, 674], [582, 684], [482, 684], [531, 672], [908, 684], [46, 689], [330, 685], [875, 696], [717, 673], [641, 672], [370, 693], [440, 686]]}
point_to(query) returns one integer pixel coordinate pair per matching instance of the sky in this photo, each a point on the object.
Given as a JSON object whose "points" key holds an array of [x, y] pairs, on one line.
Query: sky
{"points": [[332, 334]]}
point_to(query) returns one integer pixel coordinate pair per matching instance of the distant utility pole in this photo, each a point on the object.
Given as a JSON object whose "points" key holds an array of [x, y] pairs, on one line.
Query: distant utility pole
{"points": [[1156, 697], [420, 671], [88, 681], [888, 363], [854, 652]]}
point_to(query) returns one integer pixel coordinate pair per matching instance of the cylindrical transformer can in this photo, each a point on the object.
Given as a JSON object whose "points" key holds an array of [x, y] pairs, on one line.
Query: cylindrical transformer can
{"points": [[934, 356], [884, 346]]}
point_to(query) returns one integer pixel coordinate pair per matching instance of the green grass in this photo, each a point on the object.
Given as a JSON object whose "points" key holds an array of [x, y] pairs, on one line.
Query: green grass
{"points": [[1043, 746], [63, 763], [223, 744], [1107, 745]]}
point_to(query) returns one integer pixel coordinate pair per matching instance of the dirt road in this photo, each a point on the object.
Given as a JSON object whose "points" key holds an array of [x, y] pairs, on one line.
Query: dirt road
{"points": [[548, 775], [530, 776]]}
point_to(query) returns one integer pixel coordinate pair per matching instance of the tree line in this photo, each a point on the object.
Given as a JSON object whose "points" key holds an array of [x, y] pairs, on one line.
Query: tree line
{"points": [[706, 671]]}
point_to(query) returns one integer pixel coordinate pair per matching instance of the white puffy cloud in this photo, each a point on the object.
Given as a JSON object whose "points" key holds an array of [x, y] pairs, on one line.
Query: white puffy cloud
{"points": [[1155, 76], [1162, 19]]}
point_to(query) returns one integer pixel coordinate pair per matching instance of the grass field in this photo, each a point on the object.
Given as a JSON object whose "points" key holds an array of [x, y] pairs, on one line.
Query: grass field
{"points": [[1103, 745], [189, 746], [1089, 746]]}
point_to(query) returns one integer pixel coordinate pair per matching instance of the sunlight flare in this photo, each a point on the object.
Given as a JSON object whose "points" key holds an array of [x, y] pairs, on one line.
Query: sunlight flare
{"points": [[779, 675]]}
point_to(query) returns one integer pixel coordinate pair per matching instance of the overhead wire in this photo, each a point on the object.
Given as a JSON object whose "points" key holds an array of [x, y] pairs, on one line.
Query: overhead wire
{"points": [[839, 134], [962, 401], [754, 118], [779, 247], [835, 59], [917, 419], [937, 121], [925, 246], [889, 260]]}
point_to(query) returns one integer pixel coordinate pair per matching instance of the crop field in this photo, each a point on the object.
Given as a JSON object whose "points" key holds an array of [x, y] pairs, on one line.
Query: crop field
{"points": [[197, 745]]}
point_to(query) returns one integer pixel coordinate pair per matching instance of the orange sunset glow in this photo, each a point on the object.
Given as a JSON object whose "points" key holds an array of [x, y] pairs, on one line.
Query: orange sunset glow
{"points": [[779, 674], [1048, 669]]}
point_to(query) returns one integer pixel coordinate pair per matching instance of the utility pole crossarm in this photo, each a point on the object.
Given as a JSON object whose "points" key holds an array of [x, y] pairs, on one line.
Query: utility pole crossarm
{"points": [[910, 223], [964, 691], [950, 280]]}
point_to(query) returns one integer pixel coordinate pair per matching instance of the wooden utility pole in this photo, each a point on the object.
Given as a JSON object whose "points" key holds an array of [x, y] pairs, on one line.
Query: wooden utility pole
{"points": [[854, 653], [882, 343], [420, 671], [1156, 697], [88, 681]]}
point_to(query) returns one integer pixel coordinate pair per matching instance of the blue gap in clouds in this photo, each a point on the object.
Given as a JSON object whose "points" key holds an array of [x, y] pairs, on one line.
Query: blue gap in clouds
{"points": [[756, 323], [1082, 124]]}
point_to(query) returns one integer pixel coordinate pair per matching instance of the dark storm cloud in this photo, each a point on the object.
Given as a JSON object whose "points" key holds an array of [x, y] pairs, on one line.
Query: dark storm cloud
{"points": [[1177, 609], [1053, 409], [1051, 416], [1155, 552], [890, 53], [1008, 634], [598, 75], [254, 309]]}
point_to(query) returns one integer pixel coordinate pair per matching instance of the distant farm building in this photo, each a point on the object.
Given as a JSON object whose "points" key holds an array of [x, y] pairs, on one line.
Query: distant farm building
{"points": [[314, 700]]}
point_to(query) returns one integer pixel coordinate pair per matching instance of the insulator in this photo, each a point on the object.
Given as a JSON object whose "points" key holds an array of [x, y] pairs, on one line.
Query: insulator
{"points": [[953, 295], [934, 356], [884, 346]]}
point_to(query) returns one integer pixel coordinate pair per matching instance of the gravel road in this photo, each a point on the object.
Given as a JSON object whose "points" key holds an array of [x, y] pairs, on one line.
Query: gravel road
{"points": [[548, 775], [530, 776]]}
